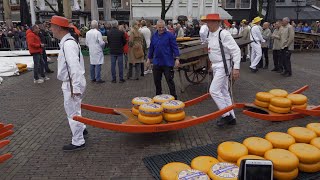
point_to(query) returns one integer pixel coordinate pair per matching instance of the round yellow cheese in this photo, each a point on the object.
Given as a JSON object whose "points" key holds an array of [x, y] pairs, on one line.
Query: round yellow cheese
{"points": [[261, 103], [302, 134], [174, 117], [303, 106], [298, 99], [223, 171], [248, 157], [314, 127], [305, 152], [135, 111], [192, 174], [309, 168], [279, 110], [280, 175], [222, 160], [232, 151], [316, 142], [137, 101], [159, 99], [280, 102], [150, 119], [257, 146], [280, 140], [171, 170], [264, 96], [279, 92], [283, 160], [203, 163], [173, 106], [151, 109]]}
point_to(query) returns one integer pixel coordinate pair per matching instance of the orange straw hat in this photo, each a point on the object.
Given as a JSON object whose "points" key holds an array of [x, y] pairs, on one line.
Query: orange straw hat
{"points": [[212, 17], [60, 21]]}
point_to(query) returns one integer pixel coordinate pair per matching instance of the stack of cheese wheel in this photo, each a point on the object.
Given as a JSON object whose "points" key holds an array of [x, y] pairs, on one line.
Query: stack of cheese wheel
{"points": [[309, 157], [231, 151], [159, 99], [150, 113], [298, 100], [302, 134], [173, 110], [192, 174], [285, 163], [278, 93], [203, 163], [280, 105], [280, 140], [136, 102], [224, 170], [263, 99], [257, 146], [170, 171]]}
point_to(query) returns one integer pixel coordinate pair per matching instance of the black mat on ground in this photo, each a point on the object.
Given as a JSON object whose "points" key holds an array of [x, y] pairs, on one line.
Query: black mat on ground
{"points": [[155, 163]]}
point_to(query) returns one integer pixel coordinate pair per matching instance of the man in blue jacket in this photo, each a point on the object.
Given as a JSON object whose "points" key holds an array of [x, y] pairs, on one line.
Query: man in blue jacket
{"points": [[165, 54]]}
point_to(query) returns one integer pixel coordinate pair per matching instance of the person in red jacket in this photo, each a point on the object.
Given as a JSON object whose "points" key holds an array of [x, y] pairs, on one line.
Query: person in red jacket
{"points": [[35, 49]]}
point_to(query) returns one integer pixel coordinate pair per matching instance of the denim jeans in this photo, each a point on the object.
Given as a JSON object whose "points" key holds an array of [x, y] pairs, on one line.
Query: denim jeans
{"points": [[45, 60], [114, 58], [95, 72], [38, 66]]}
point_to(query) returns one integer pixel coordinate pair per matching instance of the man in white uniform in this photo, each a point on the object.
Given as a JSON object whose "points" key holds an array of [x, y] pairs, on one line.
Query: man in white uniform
{"points": [[96, 44], [256, 37], [71, 73], [223, 66]]}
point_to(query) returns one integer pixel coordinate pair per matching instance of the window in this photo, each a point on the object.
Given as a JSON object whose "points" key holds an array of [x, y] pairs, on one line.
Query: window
{"points": [[245, 4], [115, 4], [100, 3], [230, 4]]}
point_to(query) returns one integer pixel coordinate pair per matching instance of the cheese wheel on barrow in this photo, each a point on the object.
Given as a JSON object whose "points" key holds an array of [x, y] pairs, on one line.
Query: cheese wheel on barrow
{"points": [[279, 110], [203, 163], [281, 175], [170, 171], [231, 151], [192, 174], [151, 109], [281, 102], [135, 111], [150, 119], [174, 117], [297, 99], [257, 146], [224, 171], [279, 92], [248, 157], [173, 106], [264, 96], [306, 153], [314, 127], [315, 142], [280, 140], [137, 101], [302, 134], [283, 160], [159, 99], [261, 103]]}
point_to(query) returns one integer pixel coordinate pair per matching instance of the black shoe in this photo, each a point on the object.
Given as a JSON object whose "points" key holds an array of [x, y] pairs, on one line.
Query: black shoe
{"points": [[113, 81], [122, 81], [101, 81], [93, 80], [85, 132], [274, 69], [221, 122], [253, 70], [231, 120], [49, 71], [71, 147]]}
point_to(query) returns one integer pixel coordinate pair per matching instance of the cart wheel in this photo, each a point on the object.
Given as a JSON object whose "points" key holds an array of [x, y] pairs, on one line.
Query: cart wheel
{"points": [[195, 74], [309, 44]]}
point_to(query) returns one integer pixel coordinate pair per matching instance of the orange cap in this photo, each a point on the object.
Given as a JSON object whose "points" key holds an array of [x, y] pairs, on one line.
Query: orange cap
{"points": [[212, 17], [60, 21]]}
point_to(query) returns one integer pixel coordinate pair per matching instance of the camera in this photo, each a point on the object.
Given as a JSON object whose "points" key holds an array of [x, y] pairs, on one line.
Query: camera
{"points": [[253, 169]]}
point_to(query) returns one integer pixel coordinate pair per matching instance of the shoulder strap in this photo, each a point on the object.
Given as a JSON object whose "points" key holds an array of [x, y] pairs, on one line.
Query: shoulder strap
{"points": [[223, 55], [252, 34]]}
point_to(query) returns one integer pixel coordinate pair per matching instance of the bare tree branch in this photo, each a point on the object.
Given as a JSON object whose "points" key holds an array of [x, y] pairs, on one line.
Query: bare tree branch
{"points": [[169, 6], [56, 12]]}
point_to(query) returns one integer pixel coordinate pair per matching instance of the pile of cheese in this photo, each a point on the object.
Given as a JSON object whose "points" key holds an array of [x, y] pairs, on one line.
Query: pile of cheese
{"points": [[279, 101], [153, 111], [291, 152]]}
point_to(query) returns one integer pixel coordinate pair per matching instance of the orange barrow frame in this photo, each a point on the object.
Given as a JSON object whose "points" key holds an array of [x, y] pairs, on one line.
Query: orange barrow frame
{"points": [[141, 128]]}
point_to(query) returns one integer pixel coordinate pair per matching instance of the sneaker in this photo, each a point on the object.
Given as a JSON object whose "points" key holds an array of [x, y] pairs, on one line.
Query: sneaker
{"points": [[71, 147], [38, 81], [46, 78], [145, 72]]}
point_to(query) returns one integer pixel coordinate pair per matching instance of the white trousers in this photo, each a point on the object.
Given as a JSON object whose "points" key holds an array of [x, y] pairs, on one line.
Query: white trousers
{"points": [[219, 90], [249, 50], [72, 106], [256, 54]]}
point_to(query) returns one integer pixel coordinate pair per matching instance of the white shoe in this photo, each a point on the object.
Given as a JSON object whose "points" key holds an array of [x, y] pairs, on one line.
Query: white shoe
{"points": [[38, 81], [150, 71], [46, 78], [145, 72]]}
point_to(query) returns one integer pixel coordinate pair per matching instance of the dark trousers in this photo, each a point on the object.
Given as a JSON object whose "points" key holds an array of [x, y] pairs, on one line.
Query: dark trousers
{"points": [[168, 74], [38, 66], [45, 60], [266, 58], [285, 56], [276, 60], [142, 69]]}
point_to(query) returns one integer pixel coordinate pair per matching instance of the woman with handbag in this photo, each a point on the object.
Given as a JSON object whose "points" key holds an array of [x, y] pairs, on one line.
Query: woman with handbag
{"points": [[136, 50]]}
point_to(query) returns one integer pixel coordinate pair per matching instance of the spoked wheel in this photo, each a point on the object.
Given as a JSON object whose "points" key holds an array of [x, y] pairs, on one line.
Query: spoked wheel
{"points": [[195, 74]]}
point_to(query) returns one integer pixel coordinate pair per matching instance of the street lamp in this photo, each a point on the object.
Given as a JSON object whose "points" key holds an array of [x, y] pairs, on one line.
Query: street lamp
{"points": [[297, 8]]}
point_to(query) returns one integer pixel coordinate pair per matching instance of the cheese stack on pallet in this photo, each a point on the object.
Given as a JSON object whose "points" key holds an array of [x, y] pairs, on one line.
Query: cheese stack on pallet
{"points": [[280, 105], [136, 102], [298, 101], [309, 157], [173, 110], [150, 113], [231, 151], [263, 99], [159, 99]]}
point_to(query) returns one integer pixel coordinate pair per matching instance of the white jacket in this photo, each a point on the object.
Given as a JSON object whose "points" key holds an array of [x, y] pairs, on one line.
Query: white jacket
{"points": [[256, 34], [146, 34], [95, 43], [203, 33]]}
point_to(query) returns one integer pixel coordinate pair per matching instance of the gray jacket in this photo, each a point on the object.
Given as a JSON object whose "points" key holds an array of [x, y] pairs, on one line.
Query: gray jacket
{"points": [[287, 37], [276, 39], [266, 34]]}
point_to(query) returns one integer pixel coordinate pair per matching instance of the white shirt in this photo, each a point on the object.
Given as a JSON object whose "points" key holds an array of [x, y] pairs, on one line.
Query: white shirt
{"points": [[146, 34], [203, 33], [231, 49], [233, 31], [75, 67], [256, 35], [96, 44]]}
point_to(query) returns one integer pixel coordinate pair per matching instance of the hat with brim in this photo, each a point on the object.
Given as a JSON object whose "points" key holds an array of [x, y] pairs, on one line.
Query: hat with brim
{"points": [[256, 20], [60, 21], [212, 17]]}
